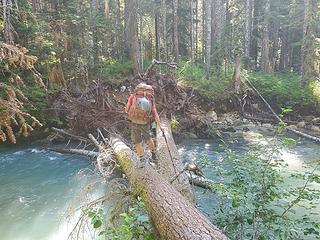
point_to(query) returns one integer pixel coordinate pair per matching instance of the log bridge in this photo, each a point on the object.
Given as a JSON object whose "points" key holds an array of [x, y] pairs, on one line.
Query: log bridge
{"points": [[165, 191]]}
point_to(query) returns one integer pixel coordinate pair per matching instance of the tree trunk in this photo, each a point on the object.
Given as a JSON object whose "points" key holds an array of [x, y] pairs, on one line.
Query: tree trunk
{"points": [[175, 31], [169, 163], [265, 54], [284, 50], [131, 35], [164, 29], [207, 54], [7, 28], [217, 13], [173, 215], [236, 75], [157, 34], [254, 37], [308, 55], [248, 28], [197, 30], [192, 50], [94, 16]]}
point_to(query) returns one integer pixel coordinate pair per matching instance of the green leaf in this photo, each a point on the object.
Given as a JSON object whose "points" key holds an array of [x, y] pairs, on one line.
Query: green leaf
{"points": [[97, 224]]}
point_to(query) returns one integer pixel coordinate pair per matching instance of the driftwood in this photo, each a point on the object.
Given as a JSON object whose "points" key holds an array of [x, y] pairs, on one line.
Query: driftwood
{"points": [[173, 215], [86, 153], [316, 139], [70, 135], [199, 181]]}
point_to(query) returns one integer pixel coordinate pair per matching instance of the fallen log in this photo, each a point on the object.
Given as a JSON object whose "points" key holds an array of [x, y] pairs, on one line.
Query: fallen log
{"points": [[70, 135], [87, 153], [313, 138], [169, 163], [199, 181], [173, 215]]}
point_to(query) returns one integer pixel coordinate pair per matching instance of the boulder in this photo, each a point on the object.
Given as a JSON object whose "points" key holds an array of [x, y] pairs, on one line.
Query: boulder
{"points": [[301, 124], [267, 125], [211, 116], [315, 129], [293, 127]]}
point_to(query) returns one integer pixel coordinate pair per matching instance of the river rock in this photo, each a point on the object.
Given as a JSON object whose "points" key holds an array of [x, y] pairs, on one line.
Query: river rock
{"points": [[293, 127], [315, 129], [267, 125], [316, 120], [211, 116], [301, 124]]}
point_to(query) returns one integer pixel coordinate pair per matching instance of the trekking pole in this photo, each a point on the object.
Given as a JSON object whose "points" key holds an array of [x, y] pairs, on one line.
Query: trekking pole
{"points": [[165, 138]]}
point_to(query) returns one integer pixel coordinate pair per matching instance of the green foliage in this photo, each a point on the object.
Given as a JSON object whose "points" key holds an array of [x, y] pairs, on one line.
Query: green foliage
{"points": [[282, 88], [214, 88], [115, 70], [251, 199], [174, 124], [135, 224]]}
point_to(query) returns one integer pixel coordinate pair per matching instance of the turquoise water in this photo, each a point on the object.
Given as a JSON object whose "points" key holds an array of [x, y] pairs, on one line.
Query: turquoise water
{"points": [[38, 188], [303, 158]]}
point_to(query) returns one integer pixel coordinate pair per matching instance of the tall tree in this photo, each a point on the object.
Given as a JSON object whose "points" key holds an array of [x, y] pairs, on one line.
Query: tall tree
{"points": [[175, 31], [248, 28], [192, 48], [208, 18], [8, 30], [164, 29], [265, 52], [131, 36], [308, 51]]}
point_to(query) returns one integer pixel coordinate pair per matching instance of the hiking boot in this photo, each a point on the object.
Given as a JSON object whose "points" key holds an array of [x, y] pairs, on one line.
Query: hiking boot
{"points": [[154, 157], [143, 161]]}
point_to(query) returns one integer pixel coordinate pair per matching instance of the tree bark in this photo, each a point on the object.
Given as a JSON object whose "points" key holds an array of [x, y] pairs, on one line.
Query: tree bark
{"points": [[254, 37], [308, 55], [175, 31], [164, 30], [265, 54], [192, 50], [157, 34], [236, 75], [131, 35], [208, 17], [248, 28], [8, 30], [173, 215]]}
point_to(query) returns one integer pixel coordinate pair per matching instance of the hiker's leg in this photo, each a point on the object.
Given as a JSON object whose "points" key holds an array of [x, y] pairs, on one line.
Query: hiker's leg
{"points": [[139, 150], [137, 139]]}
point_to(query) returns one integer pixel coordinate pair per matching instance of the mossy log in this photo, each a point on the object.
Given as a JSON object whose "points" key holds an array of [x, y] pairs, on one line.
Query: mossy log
{"points": [[173, 215]]}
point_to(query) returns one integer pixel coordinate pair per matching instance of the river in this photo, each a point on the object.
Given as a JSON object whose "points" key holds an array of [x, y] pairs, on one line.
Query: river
{"points": [[38, 187]]}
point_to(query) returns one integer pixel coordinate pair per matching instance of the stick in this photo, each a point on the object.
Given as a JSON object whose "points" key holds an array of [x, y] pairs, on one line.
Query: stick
{"points": [[72, 136], [86, 153]]}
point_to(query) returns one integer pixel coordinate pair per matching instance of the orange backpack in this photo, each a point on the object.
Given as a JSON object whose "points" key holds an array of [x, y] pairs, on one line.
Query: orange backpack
{"points": [[140, 111]]}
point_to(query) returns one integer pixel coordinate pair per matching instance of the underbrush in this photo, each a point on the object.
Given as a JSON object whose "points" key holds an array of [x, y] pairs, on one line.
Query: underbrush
{"points": [[214, 88], [252, 201], [115, 70], [285, 89]]}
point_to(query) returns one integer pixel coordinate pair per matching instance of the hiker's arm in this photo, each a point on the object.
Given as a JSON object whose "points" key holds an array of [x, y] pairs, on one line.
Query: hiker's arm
{"points": [[128, 104]]}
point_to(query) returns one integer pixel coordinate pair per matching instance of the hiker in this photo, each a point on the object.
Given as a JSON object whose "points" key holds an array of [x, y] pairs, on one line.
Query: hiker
{"points": [[141, 109]]}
